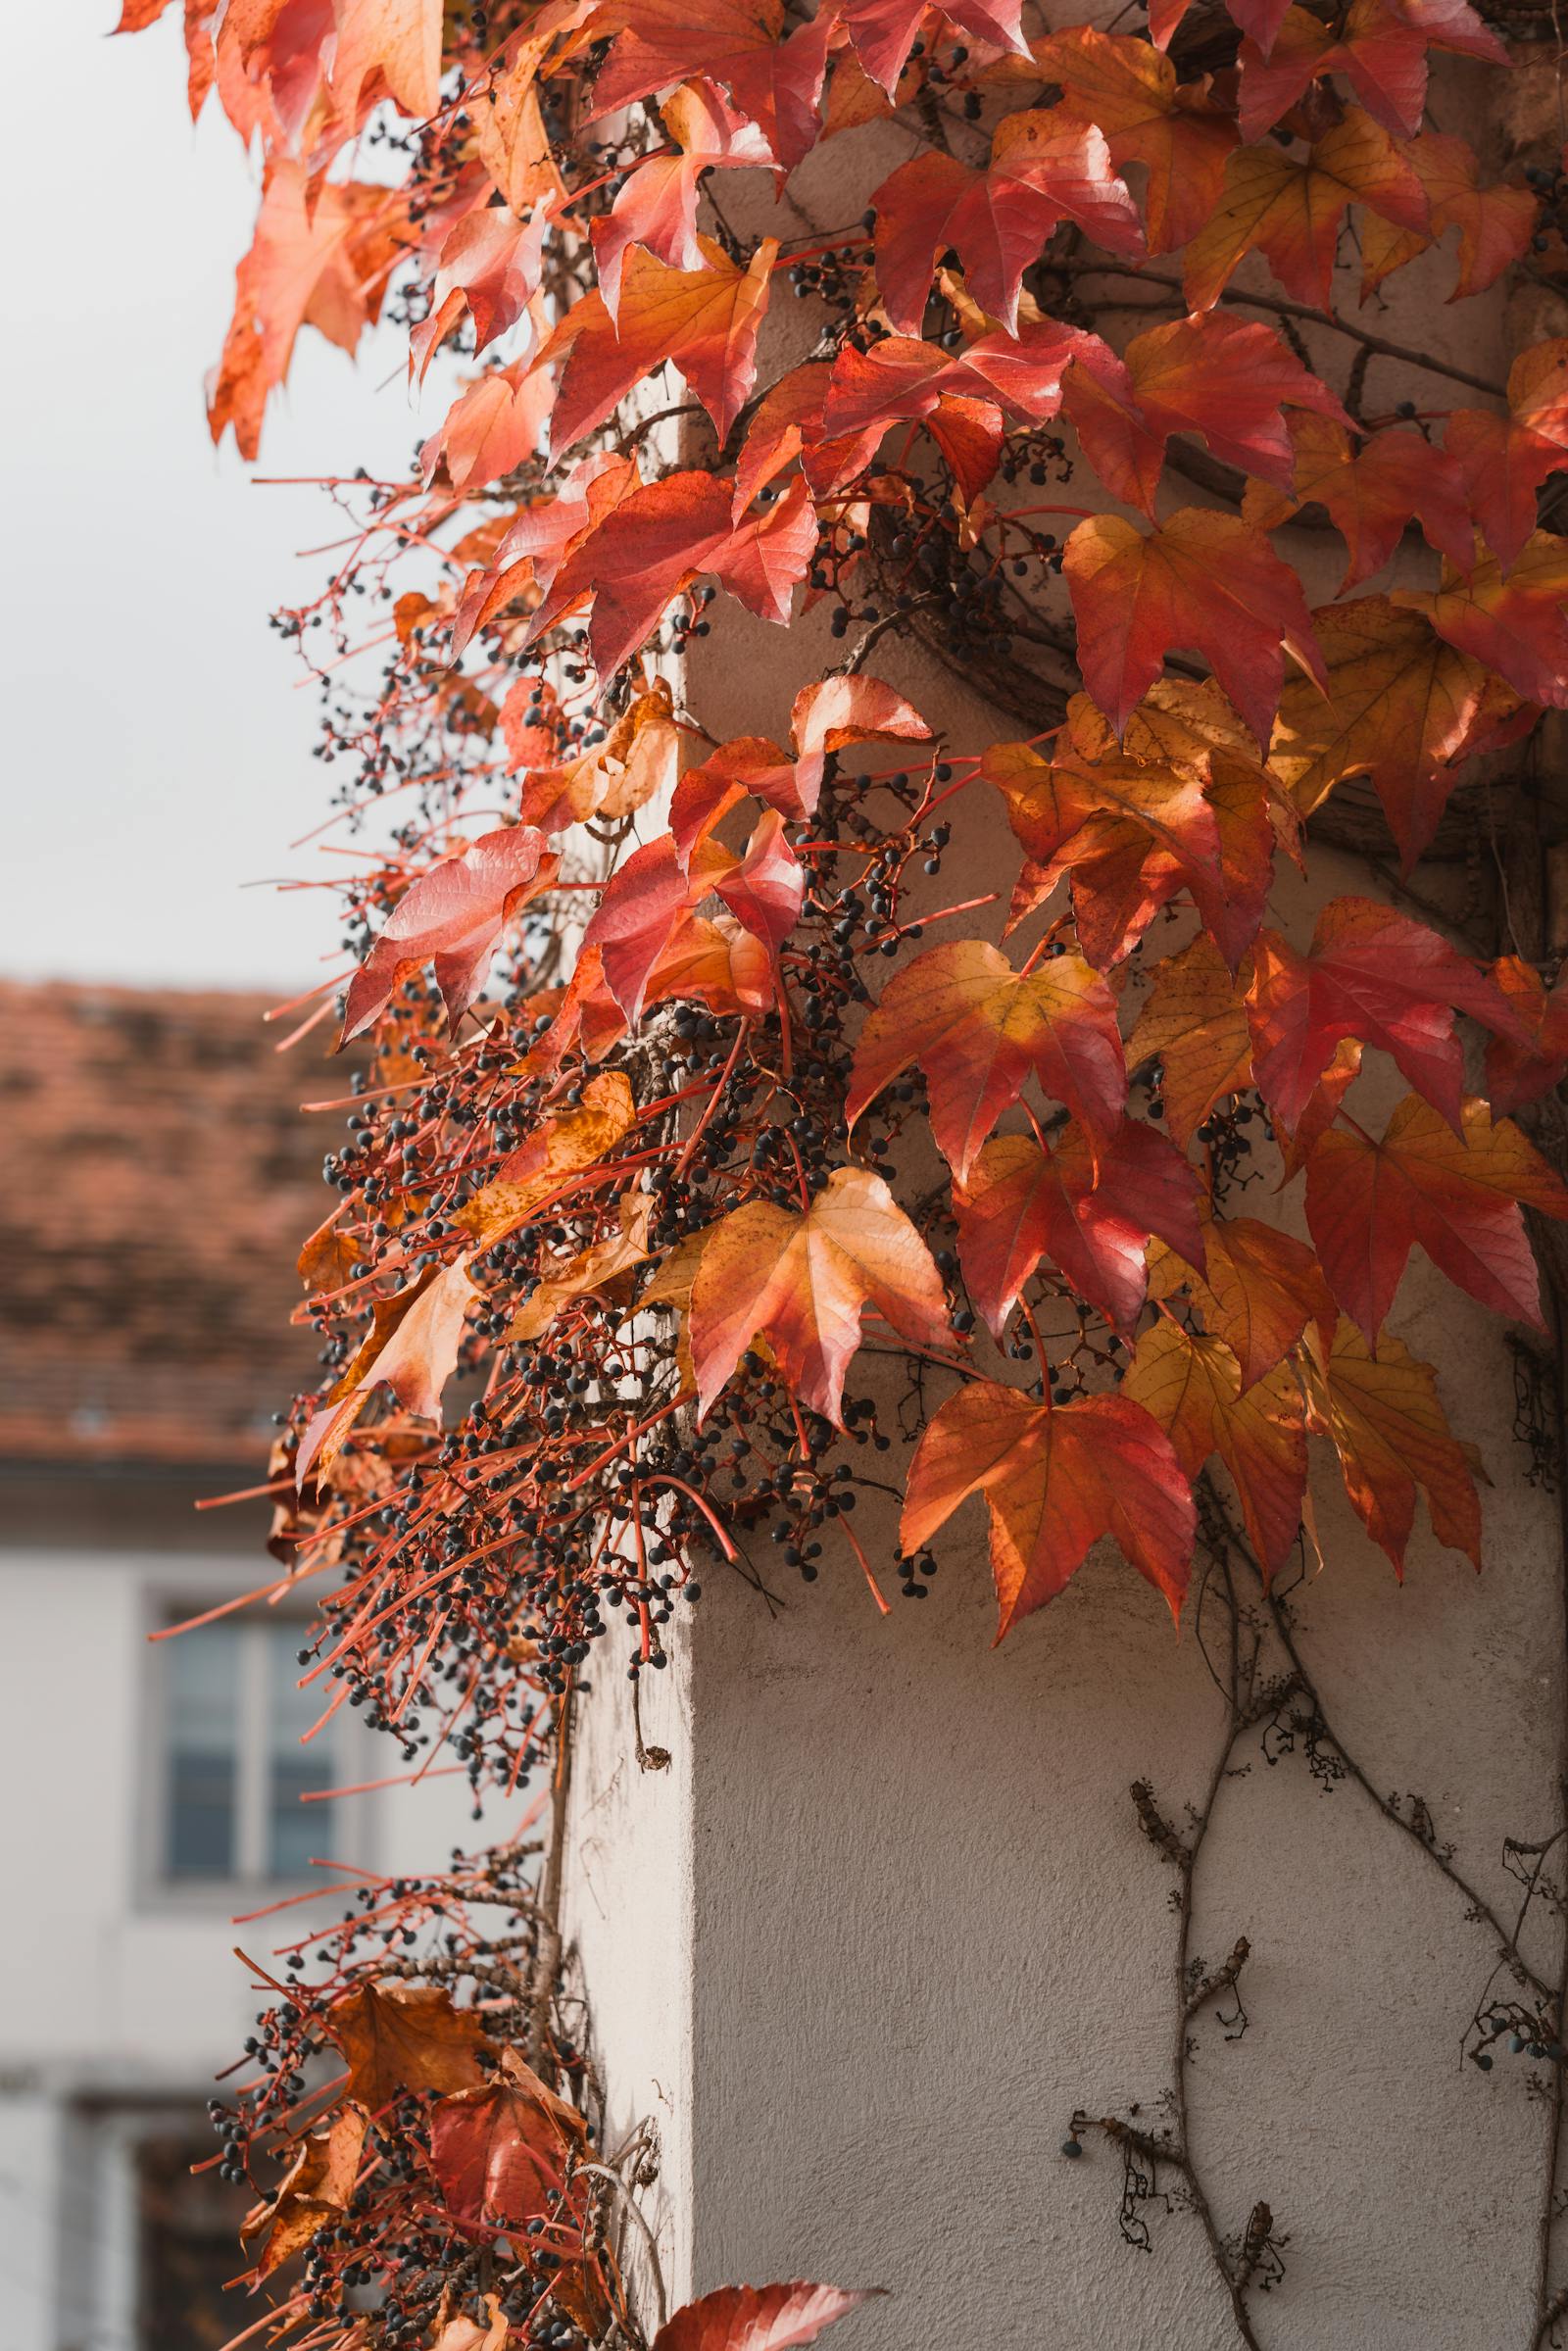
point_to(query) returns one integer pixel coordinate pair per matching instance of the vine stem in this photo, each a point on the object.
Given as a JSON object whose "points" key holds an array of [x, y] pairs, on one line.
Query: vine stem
{"points": [[1476, 1901], [1234, 1722], [1376, 345]]}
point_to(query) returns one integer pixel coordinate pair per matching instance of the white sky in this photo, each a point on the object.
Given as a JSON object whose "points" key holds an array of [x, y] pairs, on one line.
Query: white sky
{"points": [[157, 749]]}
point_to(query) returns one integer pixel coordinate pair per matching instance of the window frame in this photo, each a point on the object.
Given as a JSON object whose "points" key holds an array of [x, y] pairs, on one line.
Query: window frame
{"points": [[165, 1602]]}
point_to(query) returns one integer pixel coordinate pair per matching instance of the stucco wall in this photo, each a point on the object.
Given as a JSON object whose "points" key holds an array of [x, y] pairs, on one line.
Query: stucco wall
{"points": [[890, 1918]]}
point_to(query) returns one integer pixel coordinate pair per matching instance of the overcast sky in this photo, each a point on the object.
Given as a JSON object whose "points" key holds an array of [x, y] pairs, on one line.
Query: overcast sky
{"points": [[157, 749]]}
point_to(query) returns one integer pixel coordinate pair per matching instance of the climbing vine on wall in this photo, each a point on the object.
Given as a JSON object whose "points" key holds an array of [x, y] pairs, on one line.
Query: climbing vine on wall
{"points": [[687, 1085]]}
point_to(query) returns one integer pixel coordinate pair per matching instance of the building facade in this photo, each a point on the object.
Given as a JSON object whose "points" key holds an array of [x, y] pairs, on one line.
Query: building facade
{"points": [[155, 1183]]}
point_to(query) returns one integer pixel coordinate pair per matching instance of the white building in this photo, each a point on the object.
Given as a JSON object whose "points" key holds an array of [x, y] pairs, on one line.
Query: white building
{"points": [[155, 1181]]}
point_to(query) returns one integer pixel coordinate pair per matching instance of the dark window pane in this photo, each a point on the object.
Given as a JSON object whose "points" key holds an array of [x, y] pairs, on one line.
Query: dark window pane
{"points": [[295, 1831], [203, 1773]]}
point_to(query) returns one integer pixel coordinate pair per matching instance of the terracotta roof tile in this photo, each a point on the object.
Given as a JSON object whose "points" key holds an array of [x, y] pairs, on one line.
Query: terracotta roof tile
{"points": [[156, 1181]]}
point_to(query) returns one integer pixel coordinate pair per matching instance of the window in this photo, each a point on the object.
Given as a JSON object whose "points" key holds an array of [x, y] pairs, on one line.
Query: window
{"points": [[234, 1770]]}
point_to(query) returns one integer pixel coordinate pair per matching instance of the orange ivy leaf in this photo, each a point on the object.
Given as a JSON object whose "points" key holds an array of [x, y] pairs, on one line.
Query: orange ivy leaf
{"points": [[1381, 1409], [498, 2152], [757, 2317], [773, 81], [703, 321], [1195, 1021], [1381, 48], [451, 917], [1258, 1291], [1404, 706], [559, 1150], [313, 2193], [883, 31], [657, 204], [1055, 1479], [1041, 173], [1371, 491], [1518, 1073], [403, 2037], [412, 1348], [652, 545], [978, 1028], [1192, 1385], [1502, 461], [1091, 1218], [1494, 222], [1513, 625], [1198, 580], [1375, 975], [803, 1281], [1175, 130], [1208, 374], [1369, 1203], [1292, 212]]}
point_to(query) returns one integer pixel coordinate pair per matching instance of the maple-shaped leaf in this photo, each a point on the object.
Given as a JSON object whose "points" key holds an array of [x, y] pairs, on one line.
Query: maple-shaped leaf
{"points": [[313, 2193], [489, 270], [1131, 833], [900, 379], [1502, 461], [403, 2037], [320, 257], [1091, 1217], [398, 39], [1201, 580], [1495, 220], [1381, 48], [824, 719], [1191, 1384], [703, 321], [1379, 1407], [652, 892], [653, 544], [412, 1348], [711, 960], [451, 917], [757, 2317], [598, 1271], [1369, 1202], [1376, 975], [978, 1028], [1371, 491], [1292, 211], [657, 204], [786, 424], [637, 760], [498, 2152], [510, 135], [1041, 171], [493, 427], [560, 1148], [803, 1281], [1206, 374], [1517, 1072], [1195, 1021], [883, 31], [1055, 1479], [1176, 131], [1404, 707], [1258, 1290], [1051, 800], [1513, 625], [773, 81]]}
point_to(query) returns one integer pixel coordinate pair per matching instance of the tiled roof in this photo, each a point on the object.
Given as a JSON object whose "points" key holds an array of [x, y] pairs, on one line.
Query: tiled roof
{"points": [[156, 1181]]}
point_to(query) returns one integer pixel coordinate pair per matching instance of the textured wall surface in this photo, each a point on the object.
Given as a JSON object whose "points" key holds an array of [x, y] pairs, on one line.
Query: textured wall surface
{"points": [[890, 1918]]}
